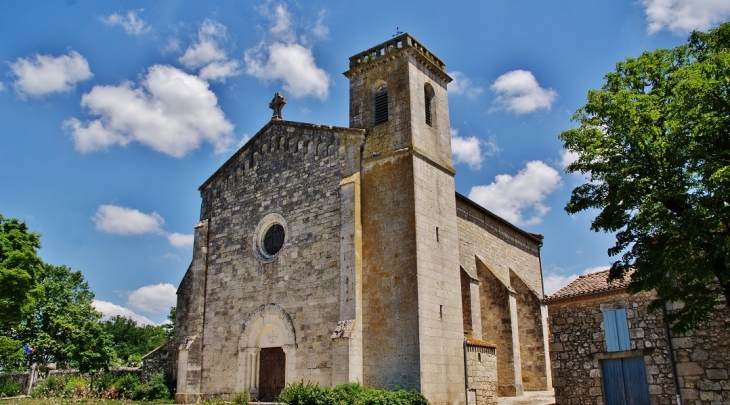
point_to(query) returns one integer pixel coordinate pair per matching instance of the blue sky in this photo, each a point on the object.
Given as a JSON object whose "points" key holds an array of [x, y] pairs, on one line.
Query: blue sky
{"points": [[113, 113]]}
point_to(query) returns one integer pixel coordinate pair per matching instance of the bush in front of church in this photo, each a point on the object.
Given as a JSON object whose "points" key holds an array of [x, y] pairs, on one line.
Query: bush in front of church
{"points": [[300, 393]]}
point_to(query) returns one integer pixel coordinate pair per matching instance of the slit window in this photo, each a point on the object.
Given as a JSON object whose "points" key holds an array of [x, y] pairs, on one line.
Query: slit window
{"points": [[428, 95], [381, 105]]}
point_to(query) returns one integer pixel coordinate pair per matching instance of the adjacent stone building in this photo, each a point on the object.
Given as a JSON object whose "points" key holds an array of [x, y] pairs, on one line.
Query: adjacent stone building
{"points": [[329, 254], [607, 348]]}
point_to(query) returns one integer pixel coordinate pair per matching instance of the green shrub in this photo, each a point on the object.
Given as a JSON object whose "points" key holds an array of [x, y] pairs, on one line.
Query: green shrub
{"points": [[153, 389], [126, 386], [52, 386], [77, 387], [300, 393], [8, 388]]}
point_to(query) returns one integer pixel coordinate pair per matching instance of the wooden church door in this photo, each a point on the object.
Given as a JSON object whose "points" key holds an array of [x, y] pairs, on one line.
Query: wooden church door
{"points": [[272, 371]]}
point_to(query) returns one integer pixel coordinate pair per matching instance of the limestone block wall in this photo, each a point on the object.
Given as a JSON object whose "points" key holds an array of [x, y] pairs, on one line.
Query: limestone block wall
{"points": [[497, 328], [390, 296], [577, 346], [439, 284], [532, 340], [482, 368], [501, 245], [292, 171]]}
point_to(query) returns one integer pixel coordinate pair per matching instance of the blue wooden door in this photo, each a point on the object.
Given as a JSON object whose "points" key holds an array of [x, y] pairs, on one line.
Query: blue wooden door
{"points": [[624, 381]]}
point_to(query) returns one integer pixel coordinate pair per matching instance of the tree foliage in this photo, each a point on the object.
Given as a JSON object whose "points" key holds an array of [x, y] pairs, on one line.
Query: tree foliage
{"points": [[654, 142], [19, 265], [63, 327], [132, 341]]}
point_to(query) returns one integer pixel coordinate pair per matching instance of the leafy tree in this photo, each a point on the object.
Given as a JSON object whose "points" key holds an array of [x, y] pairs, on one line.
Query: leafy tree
{"points": [[19, 266], [63, 326], [654, 142], [132, 341], [170, 327]]}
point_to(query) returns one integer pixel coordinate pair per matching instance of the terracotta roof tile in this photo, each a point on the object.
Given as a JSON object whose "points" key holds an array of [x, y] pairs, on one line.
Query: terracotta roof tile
{"points": [[589, 284], [481, 343]]}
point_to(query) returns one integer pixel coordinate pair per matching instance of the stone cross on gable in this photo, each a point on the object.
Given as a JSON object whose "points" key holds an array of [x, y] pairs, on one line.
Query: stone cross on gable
{"points": [[277, 104]]}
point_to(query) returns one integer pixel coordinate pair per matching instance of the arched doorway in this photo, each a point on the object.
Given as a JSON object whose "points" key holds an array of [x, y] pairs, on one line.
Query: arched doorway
{"points": [[266, 352]]}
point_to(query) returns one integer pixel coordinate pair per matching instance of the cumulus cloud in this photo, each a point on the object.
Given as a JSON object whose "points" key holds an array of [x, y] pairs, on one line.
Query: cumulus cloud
{"points": [[109, 309], [471, 150], [126, 221], [683, 16], [154, 299], [180, 240], [118, 220], [462, 85], [171, 112], [47, 74], [285, 58], [519, 92], [554, 281], [595, 269], [567, 157], [131, 23], [207, 53], [519, 199]]}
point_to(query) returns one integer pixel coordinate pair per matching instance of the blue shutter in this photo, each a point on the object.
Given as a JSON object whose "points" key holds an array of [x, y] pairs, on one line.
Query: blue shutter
{"points": [[616, 328], [625, 382]]}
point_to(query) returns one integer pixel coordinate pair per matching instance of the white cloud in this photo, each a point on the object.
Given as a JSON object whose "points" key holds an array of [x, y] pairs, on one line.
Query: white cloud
{"points": [[171, 111], [109, 309], [518, 91], [285, 57], [126, 221], [208, 53], [554, 282], [462, 85], [219, 71], [320, 30], [567, 157], [207, 49], [130, 22], [519, 199], [47, 74], [2, 87], [180, 240], [291, 63], [469, 150], [595, 269], [154, 299], [682, 16]]}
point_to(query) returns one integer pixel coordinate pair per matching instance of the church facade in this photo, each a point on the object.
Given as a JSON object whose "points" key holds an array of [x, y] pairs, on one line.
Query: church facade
{"points": [[328, 255]]}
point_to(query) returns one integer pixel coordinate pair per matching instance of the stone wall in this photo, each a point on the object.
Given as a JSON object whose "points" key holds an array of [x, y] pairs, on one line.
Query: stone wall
{"points": [[502, 246], [497, 328], [482, 368], [577, 346], [291, 171], [532, 340]]}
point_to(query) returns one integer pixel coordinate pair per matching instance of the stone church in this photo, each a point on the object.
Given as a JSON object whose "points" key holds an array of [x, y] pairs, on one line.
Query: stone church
{"points": [[327, 254]]}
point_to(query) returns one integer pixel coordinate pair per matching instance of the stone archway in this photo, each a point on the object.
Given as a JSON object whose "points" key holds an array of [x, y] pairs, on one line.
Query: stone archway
{"points": [[267, 327]]}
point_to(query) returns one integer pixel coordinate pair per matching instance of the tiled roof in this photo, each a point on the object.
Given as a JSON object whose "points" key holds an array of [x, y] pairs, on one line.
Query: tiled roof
{"points": [[589, 284], [480, 343]]}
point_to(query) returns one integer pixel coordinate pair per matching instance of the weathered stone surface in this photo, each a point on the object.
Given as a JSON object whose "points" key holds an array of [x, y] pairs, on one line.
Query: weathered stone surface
{"points": [[368, 284], [582, 342]]}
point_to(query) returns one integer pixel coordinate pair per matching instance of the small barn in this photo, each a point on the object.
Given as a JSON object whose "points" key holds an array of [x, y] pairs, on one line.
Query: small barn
{"points": [[607, 348]]}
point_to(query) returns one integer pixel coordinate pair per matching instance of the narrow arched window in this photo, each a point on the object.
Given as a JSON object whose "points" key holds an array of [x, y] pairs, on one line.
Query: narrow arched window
{"points": [[381, 105], [428, 98]]}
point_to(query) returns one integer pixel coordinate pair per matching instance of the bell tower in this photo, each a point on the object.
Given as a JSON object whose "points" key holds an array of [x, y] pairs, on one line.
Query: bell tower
{"points": [[411, 295]]}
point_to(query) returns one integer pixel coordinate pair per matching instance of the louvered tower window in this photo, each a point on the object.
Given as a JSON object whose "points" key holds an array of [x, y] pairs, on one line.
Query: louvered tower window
{"points": [[381, 105], [428, 95]]}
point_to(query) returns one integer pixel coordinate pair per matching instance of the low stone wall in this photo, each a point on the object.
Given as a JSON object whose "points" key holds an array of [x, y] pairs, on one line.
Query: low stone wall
{"points": [[481, 362]]}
